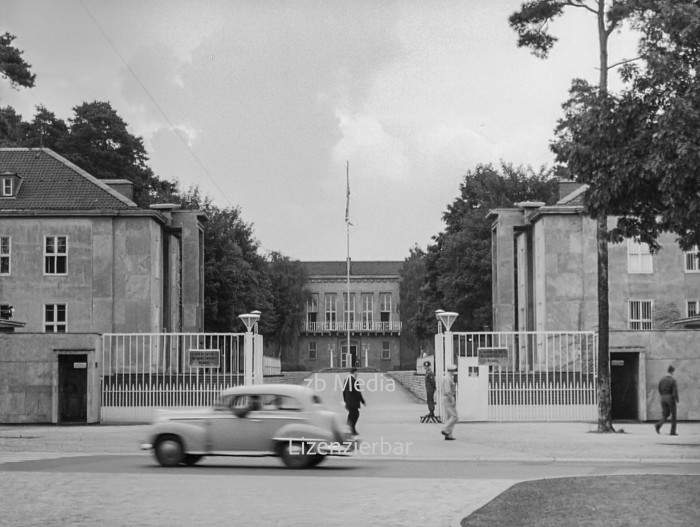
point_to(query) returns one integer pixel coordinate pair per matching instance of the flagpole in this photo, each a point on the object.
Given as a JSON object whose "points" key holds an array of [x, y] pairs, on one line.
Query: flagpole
{"points": [[347, 228]]}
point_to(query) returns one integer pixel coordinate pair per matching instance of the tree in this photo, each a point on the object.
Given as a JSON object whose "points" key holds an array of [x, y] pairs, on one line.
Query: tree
{"points": [[100, 143], [531, 23], [235, 275], [412, 278], [458, 263], [12, 66], [645, 136], [289, 295]]}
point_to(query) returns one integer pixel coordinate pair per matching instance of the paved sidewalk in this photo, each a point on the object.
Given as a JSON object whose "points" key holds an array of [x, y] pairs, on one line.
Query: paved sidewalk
{"points": [[390, 427]]}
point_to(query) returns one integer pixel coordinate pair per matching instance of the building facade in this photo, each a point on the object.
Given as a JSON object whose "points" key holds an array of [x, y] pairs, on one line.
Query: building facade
{"points": [[79, 258], [544, 265], [367, 319]]}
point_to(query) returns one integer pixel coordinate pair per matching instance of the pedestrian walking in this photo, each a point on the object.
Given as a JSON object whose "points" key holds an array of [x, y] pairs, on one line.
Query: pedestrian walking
{"points": [[430, 388], [669, 399], [449, 402], [352, 395]]}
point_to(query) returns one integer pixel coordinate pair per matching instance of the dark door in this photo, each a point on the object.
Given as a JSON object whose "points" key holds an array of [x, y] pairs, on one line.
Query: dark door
{"points": [[624, 382], [72, 388]]}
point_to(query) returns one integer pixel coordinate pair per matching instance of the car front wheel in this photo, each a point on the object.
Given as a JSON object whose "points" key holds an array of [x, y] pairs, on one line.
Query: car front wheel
{"points": [[169, 451], [293, 456]]}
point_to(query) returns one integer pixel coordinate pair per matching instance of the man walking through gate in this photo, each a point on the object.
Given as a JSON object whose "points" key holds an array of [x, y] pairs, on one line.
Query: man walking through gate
{"points": [[352, 395], [449, 402], [669, 399]]}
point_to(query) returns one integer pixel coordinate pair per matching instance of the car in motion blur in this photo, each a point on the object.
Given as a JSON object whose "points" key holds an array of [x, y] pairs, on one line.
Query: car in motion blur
{"points": [[287, 421]]}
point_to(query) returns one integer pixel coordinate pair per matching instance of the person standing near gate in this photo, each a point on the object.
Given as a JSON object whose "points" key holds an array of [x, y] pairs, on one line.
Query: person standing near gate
{"points": [[352, 395], [430, 388], [449, 402], [669, 399]]}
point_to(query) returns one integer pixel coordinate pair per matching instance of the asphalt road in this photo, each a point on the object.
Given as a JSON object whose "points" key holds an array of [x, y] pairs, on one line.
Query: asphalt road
{"points": [[142, 464], [134, 490]]}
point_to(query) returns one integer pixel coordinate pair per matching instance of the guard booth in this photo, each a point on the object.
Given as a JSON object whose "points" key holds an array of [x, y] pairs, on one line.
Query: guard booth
{"points": [[520, 376]]}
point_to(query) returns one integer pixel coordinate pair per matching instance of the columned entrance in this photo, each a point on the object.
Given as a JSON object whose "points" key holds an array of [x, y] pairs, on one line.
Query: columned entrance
{"points": [[349, 360]]}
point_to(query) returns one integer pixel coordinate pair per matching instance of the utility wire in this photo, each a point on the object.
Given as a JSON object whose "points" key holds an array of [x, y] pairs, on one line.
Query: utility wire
{"points": [[155, 103]]}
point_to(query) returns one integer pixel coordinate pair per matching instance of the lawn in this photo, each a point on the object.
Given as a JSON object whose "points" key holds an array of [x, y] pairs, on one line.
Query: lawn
{"points": [[595, 501]]}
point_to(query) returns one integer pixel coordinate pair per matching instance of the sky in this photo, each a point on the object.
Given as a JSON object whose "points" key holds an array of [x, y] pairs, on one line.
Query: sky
{"points": [[269, 105]]}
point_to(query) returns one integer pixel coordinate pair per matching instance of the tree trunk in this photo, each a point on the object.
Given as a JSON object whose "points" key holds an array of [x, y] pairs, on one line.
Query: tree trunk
{"points": [[603, 388]]}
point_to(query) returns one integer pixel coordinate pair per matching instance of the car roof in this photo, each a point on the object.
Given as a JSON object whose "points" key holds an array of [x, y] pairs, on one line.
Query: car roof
{"points": [[291, 390]]}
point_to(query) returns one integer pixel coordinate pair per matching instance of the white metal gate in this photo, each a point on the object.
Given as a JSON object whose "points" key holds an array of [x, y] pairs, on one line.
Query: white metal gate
{"points": [[526, 375], [142, 371]]}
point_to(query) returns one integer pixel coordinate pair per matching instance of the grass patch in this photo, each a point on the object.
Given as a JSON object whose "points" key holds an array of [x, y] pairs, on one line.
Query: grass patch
{"points": [[595, 501]]}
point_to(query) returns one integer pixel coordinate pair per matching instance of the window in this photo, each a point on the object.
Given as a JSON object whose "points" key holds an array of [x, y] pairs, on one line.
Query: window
{"points": [[312, 309], [641, 314], [639, 259], [693, 308], [5, 255], [367, 310], [692, 261], [385, 308], [386, 350], [55, 318], [330, 310], [55, 255], [349, 312], [7, 186], [312, 350]]}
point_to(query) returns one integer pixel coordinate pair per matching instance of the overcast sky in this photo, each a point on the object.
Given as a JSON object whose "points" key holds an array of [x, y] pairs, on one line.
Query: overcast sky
{"points": [[261, 104]]}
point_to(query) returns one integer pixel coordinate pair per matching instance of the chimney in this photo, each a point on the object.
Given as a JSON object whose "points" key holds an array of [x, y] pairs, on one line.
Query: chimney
{"points": [[566, 187], [123, 186]]}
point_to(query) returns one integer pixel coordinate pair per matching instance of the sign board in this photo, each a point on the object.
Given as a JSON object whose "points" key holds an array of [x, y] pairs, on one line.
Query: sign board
{"points": [[493, 357], [80, 365], [204, 358]]}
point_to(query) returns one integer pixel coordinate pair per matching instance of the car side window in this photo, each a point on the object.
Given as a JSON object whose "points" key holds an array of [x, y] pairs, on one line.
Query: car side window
{"points": [[289, 403], [246, 402]]}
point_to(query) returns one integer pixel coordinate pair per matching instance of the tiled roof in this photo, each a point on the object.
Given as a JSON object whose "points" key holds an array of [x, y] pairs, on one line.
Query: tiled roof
{"points": [[356, 268], [51, 182]]}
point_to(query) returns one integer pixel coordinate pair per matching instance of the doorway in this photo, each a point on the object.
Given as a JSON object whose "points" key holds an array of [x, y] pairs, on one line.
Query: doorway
{"points": [[351, 361], [624, 381], [72, 388]]}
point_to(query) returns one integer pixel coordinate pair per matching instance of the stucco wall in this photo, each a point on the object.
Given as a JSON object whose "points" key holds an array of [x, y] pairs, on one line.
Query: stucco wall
{"points": [[29, 375], [661, 349]]}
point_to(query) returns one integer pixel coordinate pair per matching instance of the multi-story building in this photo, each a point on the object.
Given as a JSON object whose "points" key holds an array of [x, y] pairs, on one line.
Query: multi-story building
{"points": [[544, 265], [359, 329], [78, 259]]}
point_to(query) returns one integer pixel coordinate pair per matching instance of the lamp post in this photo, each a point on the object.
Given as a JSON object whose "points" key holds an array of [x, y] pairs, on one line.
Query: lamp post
{"points": [[250, 320], [443, 349]]}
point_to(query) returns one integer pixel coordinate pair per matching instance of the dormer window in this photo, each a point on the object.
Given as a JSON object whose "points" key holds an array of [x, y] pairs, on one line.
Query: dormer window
{"points": [[9, 184]]}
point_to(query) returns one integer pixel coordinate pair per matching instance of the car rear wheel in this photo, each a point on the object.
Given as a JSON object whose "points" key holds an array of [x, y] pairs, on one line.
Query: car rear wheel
{"points": [[317, 460], [169, 451], [191, 459], [293, 457]]}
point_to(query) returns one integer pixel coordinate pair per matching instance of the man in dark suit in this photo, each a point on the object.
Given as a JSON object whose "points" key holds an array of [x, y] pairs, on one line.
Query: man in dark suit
{"points": [[669, 399], [352, 395], [430, 388]]}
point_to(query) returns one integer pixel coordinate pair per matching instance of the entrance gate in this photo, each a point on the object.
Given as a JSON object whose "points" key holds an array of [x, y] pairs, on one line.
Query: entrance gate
{"points": [[142, 371], [523, 376]]}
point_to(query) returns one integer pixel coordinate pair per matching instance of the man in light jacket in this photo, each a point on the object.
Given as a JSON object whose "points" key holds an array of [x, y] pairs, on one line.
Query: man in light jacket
{"points": [[449, 402]]}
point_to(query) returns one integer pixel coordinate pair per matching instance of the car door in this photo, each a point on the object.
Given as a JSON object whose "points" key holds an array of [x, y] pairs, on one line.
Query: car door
{"points": [[229, 426], [263, 423]]}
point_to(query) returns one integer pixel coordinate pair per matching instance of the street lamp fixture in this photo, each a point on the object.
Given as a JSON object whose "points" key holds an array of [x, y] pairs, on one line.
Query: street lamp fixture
{"points": [[250, 319], [446, 317]]}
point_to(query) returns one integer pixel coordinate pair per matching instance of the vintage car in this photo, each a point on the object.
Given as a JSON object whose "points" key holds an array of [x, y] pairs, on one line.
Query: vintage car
{"points": [[282, 420]]}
